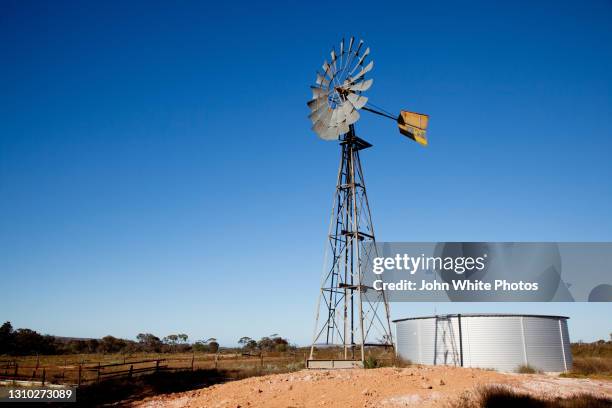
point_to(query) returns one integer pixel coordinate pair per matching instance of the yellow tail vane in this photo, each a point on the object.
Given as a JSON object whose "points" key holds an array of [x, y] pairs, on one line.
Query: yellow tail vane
{"points": [[413, 125]]}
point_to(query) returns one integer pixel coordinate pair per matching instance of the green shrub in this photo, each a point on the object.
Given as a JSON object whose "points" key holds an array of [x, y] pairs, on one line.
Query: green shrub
{"points": [[371, 362]]}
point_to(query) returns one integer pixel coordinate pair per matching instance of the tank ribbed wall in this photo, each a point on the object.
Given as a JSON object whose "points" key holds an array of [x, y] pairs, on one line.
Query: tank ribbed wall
{"points": [[496, 341]]}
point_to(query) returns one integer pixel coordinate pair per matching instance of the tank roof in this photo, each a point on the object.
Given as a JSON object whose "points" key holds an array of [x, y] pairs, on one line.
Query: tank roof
{"points": [[481, 315]]}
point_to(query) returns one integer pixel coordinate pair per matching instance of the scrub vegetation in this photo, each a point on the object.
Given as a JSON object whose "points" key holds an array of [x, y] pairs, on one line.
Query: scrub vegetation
{"points": [[593, 360], [526, 369]]}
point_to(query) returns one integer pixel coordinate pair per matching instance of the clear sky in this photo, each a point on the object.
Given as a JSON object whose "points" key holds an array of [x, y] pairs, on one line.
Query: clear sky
{"points": [[158, 172]]}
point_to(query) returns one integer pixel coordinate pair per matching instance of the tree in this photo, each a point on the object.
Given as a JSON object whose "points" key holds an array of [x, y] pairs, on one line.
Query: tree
{"points": [[274, 343], [183, 338], [92, 345], [28, 342], [7, 338], [247, 343], [149, 342], [200, 346], [213, 346], [171, 339], [244, 340], [110, 344]]}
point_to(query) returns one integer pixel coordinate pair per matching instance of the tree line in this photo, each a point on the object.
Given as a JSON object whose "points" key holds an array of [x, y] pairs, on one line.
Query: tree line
{"points": [[30, 342]]}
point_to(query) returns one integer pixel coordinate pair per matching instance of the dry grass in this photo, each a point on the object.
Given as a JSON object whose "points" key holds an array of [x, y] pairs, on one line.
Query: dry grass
{"points": [[504, 397], [602, 349], [592, 367], [592, 360]]}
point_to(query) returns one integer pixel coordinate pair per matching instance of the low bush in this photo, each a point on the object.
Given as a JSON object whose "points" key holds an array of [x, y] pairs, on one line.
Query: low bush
{"points": [[526, 369]]}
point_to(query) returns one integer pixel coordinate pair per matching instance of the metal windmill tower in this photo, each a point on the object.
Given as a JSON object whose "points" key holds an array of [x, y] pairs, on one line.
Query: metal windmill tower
{"points": [[350, 314]]}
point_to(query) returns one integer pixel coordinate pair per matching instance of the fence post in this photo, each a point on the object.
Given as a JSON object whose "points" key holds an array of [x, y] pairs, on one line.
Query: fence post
{"points": [[156, 365], [79, 380], [16, 369], [216, 361], [98, 379], [192, 358], [261, 358], [43, 377], [131, 371]]}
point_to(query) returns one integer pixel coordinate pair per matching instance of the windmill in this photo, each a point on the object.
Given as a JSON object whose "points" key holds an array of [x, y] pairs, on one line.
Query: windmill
{"points": [[349, 313]]}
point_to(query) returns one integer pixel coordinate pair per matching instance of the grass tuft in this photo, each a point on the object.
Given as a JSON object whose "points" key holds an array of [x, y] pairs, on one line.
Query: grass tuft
{"points": [[527, 369], [371, 362]]}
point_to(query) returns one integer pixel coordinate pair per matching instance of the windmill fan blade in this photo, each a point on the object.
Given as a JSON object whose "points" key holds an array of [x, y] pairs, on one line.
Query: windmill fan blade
{"points": [[316, 113], [359, 47], [343, 128], [330, 133], [319, 128], [360, 62], [347, 107], [343, 112], [351, 41], [353, 117], [321, 80], [342, 47], [325, 67], [357, 101], [364, 71], [326, 118], [361, 86], [338, 117], [349, 116], [318, 92], [333, 64], [315, 102], [336, 131], [317, 108], [323, 122]]}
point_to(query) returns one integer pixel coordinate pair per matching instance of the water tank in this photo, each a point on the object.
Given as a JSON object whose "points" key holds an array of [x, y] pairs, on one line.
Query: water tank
{"points": [[498, 341]]}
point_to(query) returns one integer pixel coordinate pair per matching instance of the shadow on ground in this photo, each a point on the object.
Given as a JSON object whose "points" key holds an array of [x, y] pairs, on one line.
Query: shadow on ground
{"points": [[124, 390], [503, 397]]}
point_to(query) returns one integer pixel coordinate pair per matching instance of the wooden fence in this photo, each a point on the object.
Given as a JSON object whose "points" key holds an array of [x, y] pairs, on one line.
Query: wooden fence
{"points": [[86, 373]]}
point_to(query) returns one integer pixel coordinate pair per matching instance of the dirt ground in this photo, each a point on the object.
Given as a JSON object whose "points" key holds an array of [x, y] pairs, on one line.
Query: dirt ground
{"points": [[383, 387]]}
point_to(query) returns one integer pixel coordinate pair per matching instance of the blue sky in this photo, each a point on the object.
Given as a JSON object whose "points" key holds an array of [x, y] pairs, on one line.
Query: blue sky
{"points": [[158, 172]]}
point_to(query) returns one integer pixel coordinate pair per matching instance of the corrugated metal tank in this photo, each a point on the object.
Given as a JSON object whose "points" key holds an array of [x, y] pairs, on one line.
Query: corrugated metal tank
{"points": [[499, 341]]}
